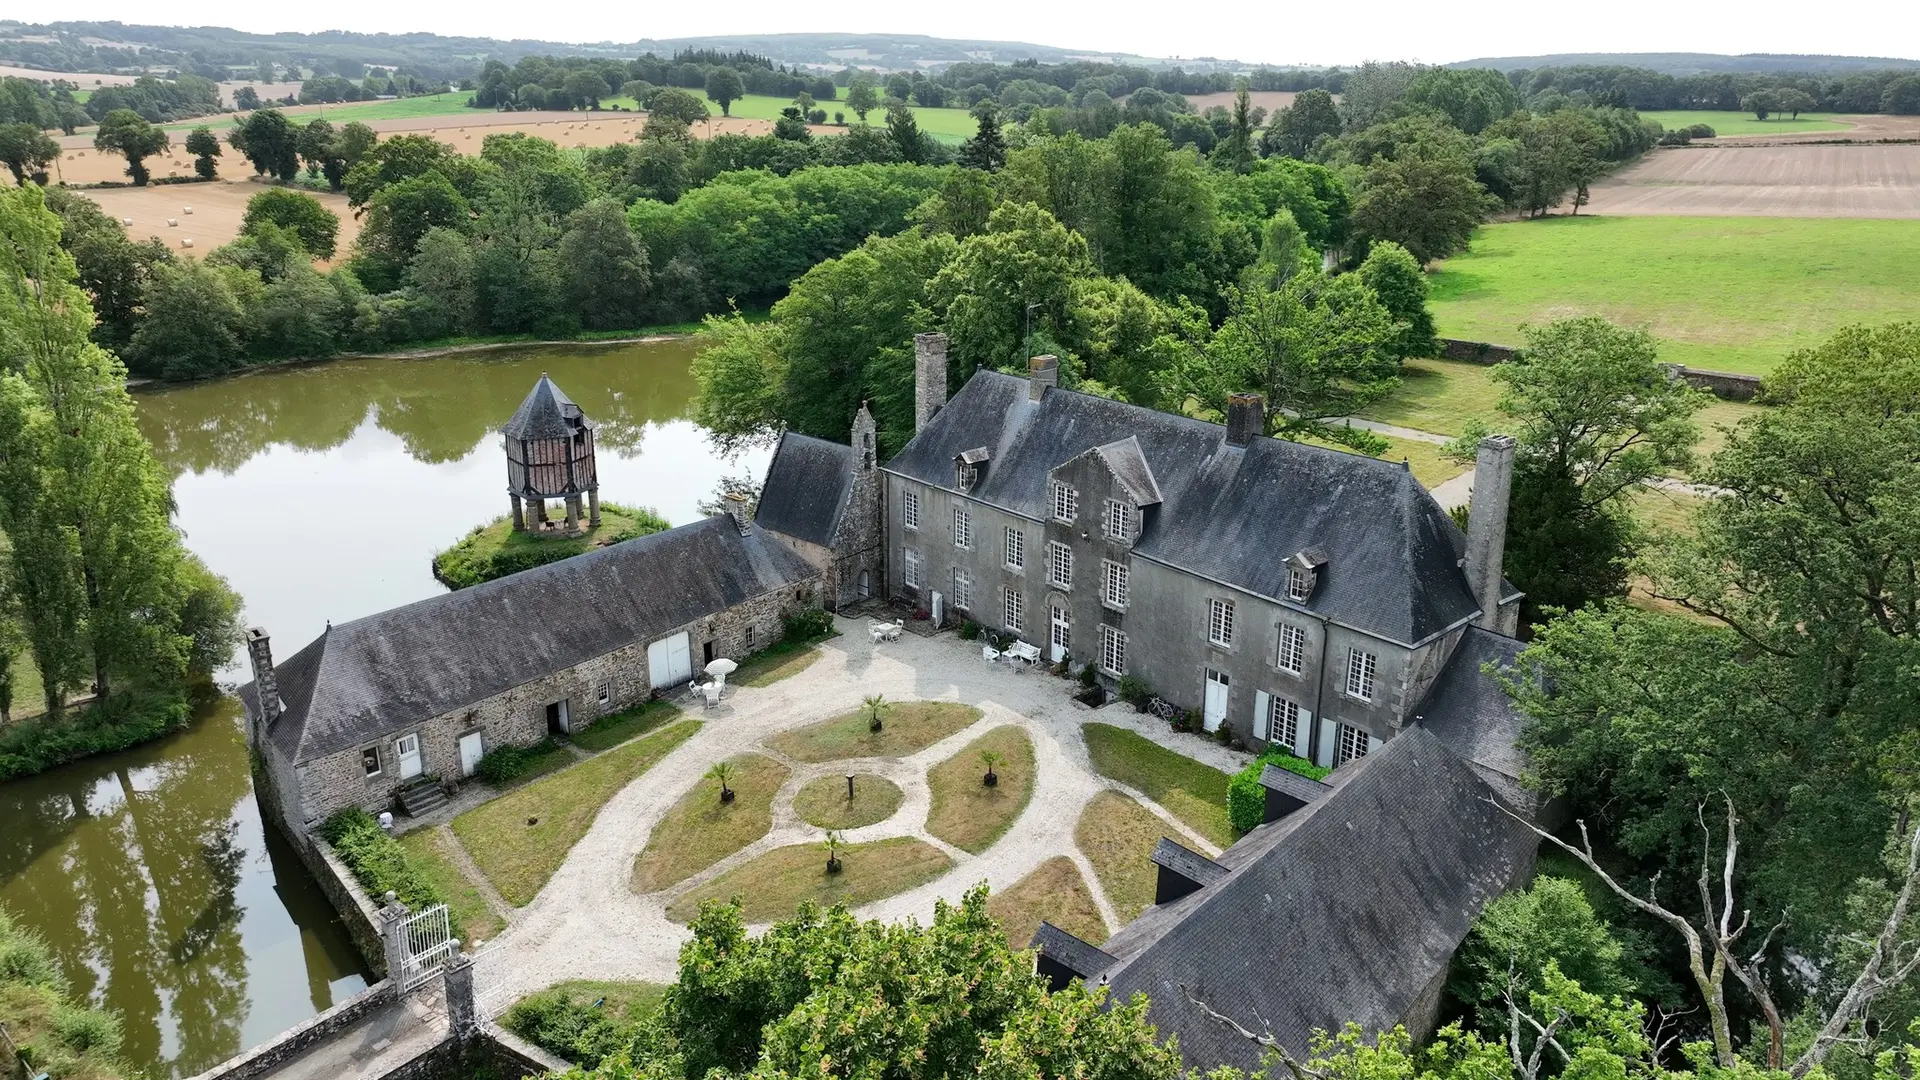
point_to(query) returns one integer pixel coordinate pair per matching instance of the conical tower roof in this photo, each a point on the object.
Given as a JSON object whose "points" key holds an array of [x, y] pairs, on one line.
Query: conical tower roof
{"points": [[547, 413]]}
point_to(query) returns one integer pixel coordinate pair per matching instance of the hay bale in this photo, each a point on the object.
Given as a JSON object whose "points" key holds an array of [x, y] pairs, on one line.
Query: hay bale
{"points": [[188, 210], [126, 221], [173, 223], [187, 242]]}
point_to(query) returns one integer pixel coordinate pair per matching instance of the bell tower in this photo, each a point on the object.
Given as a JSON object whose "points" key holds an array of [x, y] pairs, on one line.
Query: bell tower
{"points": [[549, 446]]}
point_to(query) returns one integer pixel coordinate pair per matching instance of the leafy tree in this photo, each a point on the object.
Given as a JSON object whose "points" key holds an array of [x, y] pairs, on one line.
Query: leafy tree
{"points": [[605, 268], [1401, 288], [677, 105], [1520, 934], [268, 250], [724, 87], [204, 147], [314, 145], [352, 144], [1426, 198], [442, 270], [862, 98], [1298, 127], [1794, 102], [1004, 283], [401, 214], [584, 89], [1372, 90], [987, 150], [1902, 96], [27, 151], [658, 169], [128, 134], [531, 96], [270, 141], [390, 161], [1761, 103], [791, 126], [246, 99], [1472, 98], [302, 315], [1155, 223], [195, 323], [112, 269], [1236, 151], [309, 219]]}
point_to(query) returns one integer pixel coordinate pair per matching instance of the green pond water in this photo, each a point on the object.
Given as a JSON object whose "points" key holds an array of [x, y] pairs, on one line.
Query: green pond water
{"points": [[321, 494]]}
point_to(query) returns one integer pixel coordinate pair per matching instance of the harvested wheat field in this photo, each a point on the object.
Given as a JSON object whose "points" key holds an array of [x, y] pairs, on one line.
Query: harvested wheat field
{"points": [[217, 209], [1768, 181], [1270, 100], [85, 80]]}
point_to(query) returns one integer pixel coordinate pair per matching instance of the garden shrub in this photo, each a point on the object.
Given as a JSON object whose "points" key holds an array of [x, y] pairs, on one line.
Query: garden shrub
{"points": [[36, 745], [1247, 800], [379, 861], [505, 764], [969, 631], [1135, 692], [1700, 131], [554, 1021], [806, 625]]}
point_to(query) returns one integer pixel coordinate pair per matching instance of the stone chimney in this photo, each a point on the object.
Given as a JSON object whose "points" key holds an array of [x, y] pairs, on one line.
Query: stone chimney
{"points": [[1246, 417], [1487, 527], [929, 378], [260, 654], [1042, 372], [736, 505]]}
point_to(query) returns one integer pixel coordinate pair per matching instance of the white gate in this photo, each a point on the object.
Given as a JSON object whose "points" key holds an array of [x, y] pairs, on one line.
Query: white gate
{"points": [[427, 940]]}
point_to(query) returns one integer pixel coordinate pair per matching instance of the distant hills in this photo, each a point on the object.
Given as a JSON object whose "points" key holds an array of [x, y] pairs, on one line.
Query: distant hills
{"points": [[1699, 63]]}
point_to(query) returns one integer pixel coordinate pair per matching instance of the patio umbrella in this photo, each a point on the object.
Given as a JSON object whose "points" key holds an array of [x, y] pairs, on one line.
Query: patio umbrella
{"points": [[721, 668]]}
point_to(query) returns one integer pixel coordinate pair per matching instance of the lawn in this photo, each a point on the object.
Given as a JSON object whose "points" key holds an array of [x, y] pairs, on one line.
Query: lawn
{"points": [[775, 662], [772, 885], [1431, 467], [621, 1000], [471, 912], [496, 549], [521, 838], [910, 726], [451, 104], [1743, 123], [700, 830], [948, 125], [966, 812], [29, 693], [824, 801], [1054, 892], [1722, 293], [1671, 511], [1118, 836], [1438, 396], [610, 731], [1190, 791]]}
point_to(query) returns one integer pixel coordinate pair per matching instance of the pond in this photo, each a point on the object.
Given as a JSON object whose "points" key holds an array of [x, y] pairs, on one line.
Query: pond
{"points": [[321, 494]]}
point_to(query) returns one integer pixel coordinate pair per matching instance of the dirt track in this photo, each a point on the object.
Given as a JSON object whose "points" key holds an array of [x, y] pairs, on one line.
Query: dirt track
{"points": [[1873, 181]]}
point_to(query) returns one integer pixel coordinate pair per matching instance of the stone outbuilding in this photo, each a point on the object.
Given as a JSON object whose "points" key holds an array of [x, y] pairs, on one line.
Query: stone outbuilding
{"points": [[823, 500]]}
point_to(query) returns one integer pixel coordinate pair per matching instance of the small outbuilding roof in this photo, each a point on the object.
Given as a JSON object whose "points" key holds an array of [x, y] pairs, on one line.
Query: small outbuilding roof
{"points": [[546, 413], [806, 490]]}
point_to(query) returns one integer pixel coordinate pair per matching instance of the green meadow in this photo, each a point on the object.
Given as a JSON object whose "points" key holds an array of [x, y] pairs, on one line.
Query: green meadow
{"points": [[450, 104], [1743, 123], [947, 125], [1722, 293]]}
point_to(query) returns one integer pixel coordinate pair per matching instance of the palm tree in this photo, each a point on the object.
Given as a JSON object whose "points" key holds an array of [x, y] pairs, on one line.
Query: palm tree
{"points": [[722, 772], [833, 852], [876, 706], [990, 758]]}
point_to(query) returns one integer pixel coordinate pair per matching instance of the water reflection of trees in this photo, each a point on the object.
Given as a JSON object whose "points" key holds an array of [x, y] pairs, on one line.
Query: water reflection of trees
{"points": [[441, 409]]}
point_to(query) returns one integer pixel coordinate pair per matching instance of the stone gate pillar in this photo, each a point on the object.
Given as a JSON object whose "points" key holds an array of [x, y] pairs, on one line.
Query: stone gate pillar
{"points": [[463, 1015], [393, 934]]}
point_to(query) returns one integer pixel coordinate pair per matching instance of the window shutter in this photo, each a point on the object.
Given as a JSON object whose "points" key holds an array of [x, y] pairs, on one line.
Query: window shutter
{"points": [[1329, 735], [1303, 735], [1373, 743], [1260, 712]]}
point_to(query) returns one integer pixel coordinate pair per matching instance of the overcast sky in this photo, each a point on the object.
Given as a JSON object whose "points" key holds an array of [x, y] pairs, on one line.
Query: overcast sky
{"points": [[1271, 31]]}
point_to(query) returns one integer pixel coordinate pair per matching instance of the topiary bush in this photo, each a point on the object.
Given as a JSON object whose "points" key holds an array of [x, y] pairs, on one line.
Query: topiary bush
{"points": [[1247, 800]]}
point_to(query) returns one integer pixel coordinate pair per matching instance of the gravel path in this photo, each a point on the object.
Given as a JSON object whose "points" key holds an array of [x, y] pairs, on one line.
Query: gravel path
{"points": [[588, 924]]}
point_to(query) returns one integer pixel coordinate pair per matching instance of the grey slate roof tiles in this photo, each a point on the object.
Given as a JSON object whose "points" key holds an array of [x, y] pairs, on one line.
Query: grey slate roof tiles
{"points": [[806, 488], [545, 413]]}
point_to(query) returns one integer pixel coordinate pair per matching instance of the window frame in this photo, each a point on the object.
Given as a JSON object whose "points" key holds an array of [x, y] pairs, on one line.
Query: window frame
{"points": [[1013, 609], [1299, 585], [379, 765], [963, 528], [1066, 502], [910, 567], [1296, 635], [1219, 622], [962, 588], [1014, 542], [1351, 743], [1115, 584], [1113, 644], [1363, 669], [1274, 721], [910, 509], [1059, 565], [1119, 523]]}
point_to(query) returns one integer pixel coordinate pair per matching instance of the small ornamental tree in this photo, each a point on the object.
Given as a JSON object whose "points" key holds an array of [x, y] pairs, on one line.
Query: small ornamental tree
{"points": [[990, 758], [876, 706], [722, 772]]}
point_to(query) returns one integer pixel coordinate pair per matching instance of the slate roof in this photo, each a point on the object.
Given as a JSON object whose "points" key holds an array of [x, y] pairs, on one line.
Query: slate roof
{"points": [[1467, 709], [806, 489], [1288, 782], [1345, 910], [1228, 513], [367, 678], [1187, 862], [547, 413]]}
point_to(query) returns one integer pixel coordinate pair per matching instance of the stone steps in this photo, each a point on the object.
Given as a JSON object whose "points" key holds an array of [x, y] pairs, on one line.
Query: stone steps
{"points": [[422, 799]]}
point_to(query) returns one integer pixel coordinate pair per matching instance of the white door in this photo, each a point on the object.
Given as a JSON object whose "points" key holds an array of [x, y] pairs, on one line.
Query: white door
{"points": [[670, 660], [866, 586], [469, 753], [1216, 705], [407, 749], [1062, 634]]}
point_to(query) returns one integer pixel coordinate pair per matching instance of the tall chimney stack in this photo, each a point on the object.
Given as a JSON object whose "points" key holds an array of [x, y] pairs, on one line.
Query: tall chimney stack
{"points": [[1042, 372], [736, 505], [1487, 529], [929, 378], [1246, 417], [265, 685]]}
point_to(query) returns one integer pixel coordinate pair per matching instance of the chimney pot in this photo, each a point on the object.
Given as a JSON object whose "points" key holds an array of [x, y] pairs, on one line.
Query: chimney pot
{"points": [[1246, 417], [1487, 529], [1042, 372], [929, 378]]}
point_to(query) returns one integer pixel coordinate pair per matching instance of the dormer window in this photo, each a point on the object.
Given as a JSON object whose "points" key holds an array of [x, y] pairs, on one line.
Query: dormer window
{"points": [[1303, 573], [966, 475], [1299, 584], [968, 466]]}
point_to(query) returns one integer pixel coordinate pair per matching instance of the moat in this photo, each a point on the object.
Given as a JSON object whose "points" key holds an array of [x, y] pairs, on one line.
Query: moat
{"points": [[320, 493]]}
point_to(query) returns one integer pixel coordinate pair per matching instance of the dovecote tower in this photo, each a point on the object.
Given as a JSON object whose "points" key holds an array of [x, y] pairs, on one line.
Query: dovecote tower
{"points": [[550, 456]]}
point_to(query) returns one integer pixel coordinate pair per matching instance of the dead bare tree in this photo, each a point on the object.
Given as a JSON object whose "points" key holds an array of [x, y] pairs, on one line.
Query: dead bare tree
{"points": [[1890, 963], [1526, 1065]]}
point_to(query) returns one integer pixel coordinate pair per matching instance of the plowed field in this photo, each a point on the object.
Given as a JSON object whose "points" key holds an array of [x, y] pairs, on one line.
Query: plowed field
{"points": [[1866, 181]]}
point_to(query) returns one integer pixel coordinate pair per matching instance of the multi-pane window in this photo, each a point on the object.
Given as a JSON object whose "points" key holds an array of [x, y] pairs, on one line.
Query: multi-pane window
{"points": [[912, 571], [370, 760], [1293, 648], [1360, 668], [962, 528], [606, 688], [1113, 651], [1283, 722], [753, 637], [1015, 608], [1353, 744], [1299, 584], [1060, 565], [1220, 623], [962, 587], [1066, 502], [1113, 583], [1016, 548], [1119, 520], [910, 508]]}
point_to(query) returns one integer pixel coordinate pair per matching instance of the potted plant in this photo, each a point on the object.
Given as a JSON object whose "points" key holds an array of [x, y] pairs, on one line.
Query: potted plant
{"points": [[876, 706], [722, 772], [833, 852], [990, 758]]}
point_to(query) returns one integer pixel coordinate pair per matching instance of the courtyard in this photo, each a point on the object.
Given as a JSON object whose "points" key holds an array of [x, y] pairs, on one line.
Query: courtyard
{"points": [[1064, 835]]}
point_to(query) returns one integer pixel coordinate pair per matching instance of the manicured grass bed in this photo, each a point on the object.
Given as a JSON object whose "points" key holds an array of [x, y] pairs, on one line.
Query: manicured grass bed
{"points": [[1054, 892], [772, 885], [519, 858], [966, 812], [700, 830], [1118, 836], [775, 662], [1723, 293], [1190, 791], [1743, 123], [824, 801], [610, 731], [470, 910], [911, 726]]}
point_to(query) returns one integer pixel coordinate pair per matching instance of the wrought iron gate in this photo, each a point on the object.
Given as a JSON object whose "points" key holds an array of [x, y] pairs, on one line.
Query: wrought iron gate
{"points": [[428, 941]]}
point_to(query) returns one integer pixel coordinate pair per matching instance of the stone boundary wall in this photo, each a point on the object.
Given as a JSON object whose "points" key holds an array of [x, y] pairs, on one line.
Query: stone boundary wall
{"points": [[357, 910], [297, 1040], [493, 1045], [1725, 385]]}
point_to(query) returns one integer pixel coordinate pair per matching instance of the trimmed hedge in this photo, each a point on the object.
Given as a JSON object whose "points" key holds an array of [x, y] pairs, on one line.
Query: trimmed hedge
{"points": [[1247, 800], [42, 742], [379, 861]]}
